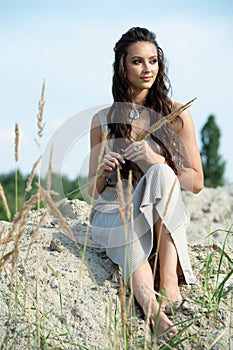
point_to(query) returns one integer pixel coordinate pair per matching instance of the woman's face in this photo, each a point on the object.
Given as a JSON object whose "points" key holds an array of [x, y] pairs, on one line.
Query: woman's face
{"points": [[142, 65]]}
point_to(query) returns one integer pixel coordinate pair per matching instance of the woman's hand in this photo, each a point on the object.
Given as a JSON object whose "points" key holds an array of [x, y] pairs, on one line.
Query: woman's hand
{"points": [[141, 152], [111, 161]]}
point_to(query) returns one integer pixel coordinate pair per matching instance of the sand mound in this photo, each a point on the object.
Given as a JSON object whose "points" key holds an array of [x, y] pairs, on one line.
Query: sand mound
{"points": [[69, 300]]}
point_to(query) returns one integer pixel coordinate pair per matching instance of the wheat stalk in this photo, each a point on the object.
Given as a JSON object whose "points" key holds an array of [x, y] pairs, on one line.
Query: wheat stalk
{"points": [[129, 194], [7, 239], [41, 104], [29, 204], [167, 119], [16, 159], [4, 202], [20, 219], [36, 232], [121, 197], [45, 195], [122, 302], [2, 230], [16, 142], [217, 339], [40, 126], [32, 174]]}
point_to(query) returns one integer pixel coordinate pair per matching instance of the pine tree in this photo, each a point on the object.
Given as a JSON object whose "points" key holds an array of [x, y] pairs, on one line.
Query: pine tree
{"points": [[213, 165]]}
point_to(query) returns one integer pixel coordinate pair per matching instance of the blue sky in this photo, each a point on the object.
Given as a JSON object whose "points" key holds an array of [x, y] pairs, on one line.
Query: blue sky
{"points": [[70, 44]]}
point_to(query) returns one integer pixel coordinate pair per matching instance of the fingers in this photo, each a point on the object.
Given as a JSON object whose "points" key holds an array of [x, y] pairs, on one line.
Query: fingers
{"points": [[111, 161], [135, 151]]}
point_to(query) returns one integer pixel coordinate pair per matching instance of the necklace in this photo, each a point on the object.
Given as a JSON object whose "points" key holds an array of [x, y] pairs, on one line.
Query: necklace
{"points": [[135, 113]]}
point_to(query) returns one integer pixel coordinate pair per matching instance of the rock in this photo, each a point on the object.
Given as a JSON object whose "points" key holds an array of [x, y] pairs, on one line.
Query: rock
{"points": [[76, 209], [211, 212], [56, 245]]}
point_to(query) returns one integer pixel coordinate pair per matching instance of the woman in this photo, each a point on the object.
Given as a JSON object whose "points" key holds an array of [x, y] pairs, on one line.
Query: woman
{"points": [[161, 164]]}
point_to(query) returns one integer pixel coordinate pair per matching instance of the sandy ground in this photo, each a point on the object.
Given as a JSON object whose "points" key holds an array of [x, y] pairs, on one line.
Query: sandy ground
{"points": [[76, 301]]}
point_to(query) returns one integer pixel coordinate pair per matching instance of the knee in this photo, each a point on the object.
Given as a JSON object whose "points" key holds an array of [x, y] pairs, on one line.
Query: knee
{"points": [[163, 170], [165, 177], [166, 169]]}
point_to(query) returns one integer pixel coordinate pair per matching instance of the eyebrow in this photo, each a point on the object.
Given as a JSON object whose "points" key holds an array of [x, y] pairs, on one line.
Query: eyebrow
{"points": [[136, 56]]}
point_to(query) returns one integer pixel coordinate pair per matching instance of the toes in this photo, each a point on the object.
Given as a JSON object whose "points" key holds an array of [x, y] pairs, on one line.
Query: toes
{"points": [[165, 330], [170, 334], [165, 338]]}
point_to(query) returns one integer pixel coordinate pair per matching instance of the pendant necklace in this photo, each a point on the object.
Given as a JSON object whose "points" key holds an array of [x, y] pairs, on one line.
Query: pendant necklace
{"points": [[135, 113]]}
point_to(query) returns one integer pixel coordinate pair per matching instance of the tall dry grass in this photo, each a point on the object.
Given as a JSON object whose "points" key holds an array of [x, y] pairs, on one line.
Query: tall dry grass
{"points": [[32, 174], [16, 160], [40, 115], [29, 324], [4, 201]]}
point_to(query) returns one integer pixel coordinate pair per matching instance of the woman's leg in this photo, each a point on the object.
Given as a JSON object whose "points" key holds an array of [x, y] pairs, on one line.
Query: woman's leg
{"points": [[168, 261], [143, 289]]}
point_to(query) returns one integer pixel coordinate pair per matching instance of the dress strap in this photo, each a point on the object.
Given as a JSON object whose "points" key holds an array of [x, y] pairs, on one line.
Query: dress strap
{"points": [[103, 119], [103, 122]]}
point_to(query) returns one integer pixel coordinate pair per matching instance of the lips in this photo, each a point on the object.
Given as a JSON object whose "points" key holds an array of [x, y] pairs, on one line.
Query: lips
{"points": [[146, 78]]}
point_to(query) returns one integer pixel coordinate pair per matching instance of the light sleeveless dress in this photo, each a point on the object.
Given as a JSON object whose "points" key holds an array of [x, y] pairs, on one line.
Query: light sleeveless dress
{"points": [[157, 195]]}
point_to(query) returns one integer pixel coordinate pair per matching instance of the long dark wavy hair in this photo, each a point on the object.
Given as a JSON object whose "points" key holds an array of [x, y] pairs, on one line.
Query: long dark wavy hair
{"points": [[157, 102]]}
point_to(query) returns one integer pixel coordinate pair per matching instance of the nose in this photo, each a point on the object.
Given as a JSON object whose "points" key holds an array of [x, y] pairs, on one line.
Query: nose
{"points": [[146, 67]]}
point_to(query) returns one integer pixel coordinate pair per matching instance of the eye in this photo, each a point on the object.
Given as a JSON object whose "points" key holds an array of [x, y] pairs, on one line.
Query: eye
{"points": [[154, 61], [136, 61]]}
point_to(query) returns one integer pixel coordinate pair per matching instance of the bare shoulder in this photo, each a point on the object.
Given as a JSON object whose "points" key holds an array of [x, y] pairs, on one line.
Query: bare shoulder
{"points": [[96, 128], [176, 105], [184, 124], [96, 120]]}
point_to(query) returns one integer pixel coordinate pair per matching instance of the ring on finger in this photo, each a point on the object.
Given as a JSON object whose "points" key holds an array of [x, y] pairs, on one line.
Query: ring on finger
{"points": [[137, 148]]}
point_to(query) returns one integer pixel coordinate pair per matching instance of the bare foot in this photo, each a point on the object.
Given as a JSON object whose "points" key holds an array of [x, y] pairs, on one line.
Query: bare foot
{"points": [[160, 324], [162, 327], [170, 294]]}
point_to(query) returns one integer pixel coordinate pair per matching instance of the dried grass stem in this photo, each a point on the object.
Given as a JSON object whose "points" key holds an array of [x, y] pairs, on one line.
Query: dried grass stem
{"points": [[41, 104], [45, 195], [4, 201], [167, 119], [32, 174], [16, 142]]}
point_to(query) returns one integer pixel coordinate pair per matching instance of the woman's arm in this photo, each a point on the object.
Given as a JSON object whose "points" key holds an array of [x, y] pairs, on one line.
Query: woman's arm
{"points": [[191, 178], [104, 165], [95, 186]]}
